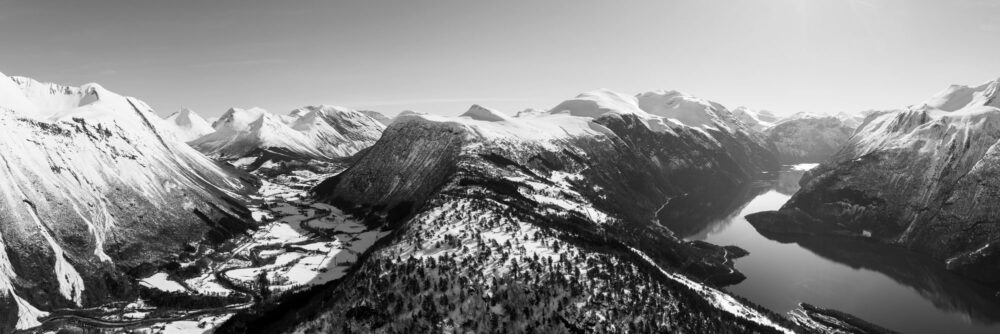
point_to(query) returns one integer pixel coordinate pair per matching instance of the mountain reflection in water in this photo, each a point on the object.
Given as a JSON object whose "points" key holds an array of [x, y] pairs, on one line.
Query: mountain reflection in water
{"points": [[885, 285]]}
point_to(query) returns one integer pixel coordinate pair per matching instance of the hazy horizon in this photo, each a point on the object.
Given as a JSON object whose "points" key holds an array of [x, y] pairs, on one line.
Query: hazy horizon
{"points": [[785, 56]]}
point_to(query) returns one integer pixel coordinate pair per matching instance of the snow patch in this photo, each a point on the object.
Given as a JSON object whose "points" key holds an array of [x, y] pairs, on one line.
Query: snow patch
{"points": [[804, 167], [162, 282]]}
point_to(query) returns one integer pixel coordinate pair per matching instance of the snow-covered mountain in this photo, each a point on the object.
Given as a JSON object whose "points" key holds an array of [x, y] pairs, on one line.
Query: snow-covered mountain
{"points": [[337, 131], [93, 185], [315, 132], [755, 119], [240, 132], [498, 210], [188, 125], [924, 178]]}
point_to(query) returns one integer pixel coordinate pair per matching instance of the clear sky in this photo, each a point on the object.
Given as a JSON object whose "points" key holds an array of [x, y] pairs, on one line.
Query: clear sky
{"points": [[441, 56]]}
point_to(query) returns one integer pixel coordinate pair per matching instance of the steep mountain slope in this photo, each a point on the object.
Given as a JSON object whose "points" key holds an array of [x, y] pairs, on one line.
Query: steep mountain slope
{"points": [[93, 186], [487, 208], [188, 125], [808, 138], [315, 132], [923, 178]]}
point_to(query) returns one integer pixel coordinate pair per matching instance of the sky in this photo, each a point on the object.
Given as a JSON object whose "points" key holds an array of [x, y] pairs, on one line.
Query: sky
{"points": [[786, 56]]}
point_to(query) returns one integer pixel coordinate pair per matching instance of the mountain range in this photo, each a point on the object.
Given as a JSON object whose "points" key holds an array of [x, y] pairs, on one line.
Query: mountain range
{"points": [[538, 221]]}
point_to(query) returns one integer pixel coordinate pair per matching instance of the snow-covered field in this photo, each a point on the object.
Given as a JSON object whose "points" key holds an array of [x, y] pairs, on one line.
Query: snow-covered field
{"points": [[162, 282], [300, 243]]}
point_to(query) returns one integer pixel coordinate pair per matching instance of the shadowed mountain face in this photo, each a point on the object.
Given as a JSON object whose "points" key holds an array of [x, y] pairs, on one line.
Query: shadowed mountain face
{"points": [[695, 213], [924, 178]]}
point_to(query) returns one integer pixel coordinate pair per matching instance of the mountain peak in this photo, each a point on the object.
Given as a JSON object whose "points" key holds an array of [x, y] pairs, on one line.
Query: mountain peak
{"points": [[594, 104], [480, 113], [238, 118], [182, 116], [187, 125], [957, 97]]}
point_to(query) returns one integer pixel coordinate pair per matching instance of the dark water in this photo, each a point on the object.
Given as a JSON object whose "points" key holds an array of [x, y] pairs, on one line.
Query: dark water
{"points": [[884, 285]]}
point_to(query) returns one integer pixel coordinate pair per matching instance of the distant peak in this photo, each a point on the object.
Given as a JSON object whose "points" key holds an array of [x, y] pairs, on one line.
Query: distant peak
{"points": [[410, 112], [478, 112], [664, 93], [476, 107], [323, 109]]}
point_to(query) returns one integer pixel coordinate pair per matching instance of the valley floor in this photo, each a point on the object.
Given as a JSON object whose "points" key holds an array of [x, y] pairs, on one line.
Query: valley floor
{"points": [[299, 243]]}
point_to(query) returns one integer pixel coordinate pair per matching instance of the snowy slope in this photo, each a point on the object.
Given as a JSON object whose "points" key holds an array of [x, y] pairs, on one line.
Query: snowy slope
{"points": [[93, 183], [188, 125], [338, 131], [755, 119], [924, 178], [315, 132], [958, 97], [686, 109]]}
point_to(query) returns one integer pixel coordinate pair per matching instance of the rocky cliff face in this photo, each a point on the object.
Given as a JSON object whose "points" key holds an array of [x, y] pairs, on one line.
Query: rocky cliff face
{"points": [[92, 187], [489, 195], [924, 178]]}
